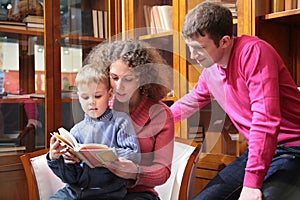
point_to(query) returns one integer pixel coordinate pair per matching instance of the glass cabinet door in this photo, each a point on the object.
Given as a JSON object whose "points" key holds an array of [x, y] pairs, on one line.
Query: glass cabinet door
{"points": [[21, 89], [84, 24]]}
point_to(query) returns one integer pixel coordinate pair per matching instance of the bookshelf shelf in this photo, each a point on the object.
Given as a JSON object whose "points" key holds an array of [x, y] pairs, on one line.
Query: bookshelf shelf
{"points": [[288, 16], [82, 40], [157, 35], [22, 100], [21, 30]]}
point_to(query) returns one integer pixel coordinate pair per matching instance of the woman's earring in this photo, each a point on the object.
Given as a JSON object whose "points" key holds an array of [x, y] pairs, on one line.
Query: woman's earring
{"points": [[142, 90]]}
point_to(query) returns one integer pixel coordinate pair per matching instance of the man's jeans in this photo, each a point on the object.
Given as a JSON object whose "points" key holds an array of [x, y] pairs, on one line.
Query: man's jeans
{"points": [[281, 182]]}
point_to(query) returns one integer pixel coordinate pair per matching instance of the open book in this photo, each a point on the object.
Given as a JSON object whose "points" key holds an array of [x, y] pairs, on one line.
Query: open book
{"points": [[94, 155]]}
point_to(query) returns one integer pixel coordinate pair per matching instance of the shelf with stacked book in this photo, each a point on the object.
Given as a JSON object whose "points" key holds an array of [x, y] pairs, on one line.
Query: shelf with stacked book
{"points": [[152, 17], [91, 18], [19, 28], [141, 25]]}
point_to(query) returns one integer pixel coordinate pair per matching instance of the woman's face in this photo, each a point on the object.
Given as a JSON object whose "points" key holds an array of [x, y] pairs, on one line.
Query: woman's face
{"points": [[123, 81]]}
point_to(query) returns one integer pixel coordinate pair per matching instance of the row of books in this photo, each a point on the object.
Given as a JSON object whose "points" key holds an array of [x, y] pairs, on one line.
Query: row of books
{"points": [[196, 133], [28, 23], [282, 5], [100, 23], [158, 19], [87, 23], [34, 21]]}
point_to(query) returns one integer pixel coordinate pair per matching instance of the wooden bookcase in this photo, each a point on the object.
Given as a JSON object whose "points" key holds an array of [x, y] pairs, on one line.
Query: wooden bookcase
{"points": [[53, 40]]}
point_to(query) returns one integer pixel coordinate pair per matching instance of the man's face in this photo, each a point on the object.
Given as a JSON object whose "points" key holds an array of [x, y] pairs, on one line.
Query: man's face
{"points": [[204, 51]]}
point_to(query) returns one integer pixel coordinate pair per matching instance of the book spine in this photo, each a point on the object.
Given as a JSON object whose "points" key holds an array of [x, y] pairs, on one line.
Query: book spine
{"points": [[277, 5], [105, 18], [152, 22], [100, 24], [290, 4], [147, 17], [95, 23]]}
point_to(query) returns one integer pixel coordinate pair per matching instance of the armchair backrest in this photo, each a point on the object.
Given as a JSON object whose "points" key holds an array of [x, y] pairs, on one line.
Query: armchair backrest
{"points": [[42, 182], [181, 183]]}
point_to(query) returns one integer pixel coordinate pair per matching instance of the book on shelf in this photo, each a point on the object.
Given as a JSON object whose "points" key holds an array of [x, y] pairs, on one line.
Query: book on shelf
{"points": [[158, 18], [95, 22], [290, 4], [152, 22], [105, 13], [100, 23], [147, 10], [196, 133], [34, 19], [166, 16], [94, 155], [34, 25], [277, 5]]}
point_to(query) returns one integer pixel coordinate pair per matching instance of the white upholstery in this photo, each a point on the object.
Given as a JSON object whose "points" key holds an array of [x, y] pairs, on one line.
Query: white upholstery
{"points": [[170, 189], [48, 183]]}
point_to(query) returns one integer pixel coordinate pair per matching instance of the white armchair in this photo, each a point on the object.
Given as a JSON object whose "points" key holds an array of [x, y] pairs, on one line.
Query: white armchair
{"points": [[181, 184], [42, 182]]}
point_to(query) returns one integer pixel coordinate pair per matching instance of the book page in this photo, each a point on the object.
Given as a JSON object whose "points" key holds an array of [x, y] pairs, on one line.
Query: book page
{"points": [[97, 157], [67, 135], [63, 139]]}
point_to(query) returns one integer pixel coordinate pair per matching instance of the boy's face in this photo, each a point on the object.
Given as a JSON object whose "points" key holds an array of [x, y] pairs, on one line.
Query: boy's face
{"points": [[204, 51], [94, 98]]}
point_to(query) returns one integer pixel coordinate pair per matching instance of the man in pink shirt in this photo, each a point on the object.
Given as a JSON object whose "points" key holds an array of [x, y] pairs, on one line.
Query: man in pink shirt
{"points": [[249, 80]]}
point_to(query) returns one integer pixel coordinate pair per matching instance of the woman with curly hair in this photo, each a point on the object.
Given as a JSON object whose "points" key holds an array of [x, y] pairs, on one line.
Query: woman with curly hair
{"points": [[140, 79]]}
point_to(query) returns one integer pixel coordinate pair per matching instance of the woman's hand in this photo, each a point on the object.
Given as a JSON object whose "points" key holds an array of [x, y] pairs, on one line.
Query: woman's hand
{"points": [[250, 194], [56, 149], [123, 168]]}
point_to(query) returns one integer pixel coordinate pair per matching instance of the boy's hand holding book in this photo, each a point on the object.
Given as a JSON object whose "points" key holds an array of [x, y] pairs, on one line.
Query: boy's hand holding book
{"points": [[94, 155]]}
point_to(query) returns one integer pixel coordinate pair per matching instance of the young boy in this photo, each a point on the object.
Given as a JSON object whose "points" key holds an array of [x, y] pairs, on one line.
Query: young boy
{"points": [[100, 125]]}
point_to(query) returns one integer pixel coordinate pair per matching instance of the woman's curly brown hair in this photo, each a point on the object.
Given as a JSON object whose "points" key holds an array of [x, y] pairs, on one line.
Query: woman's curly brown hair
{"points": [[155, 74]]}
